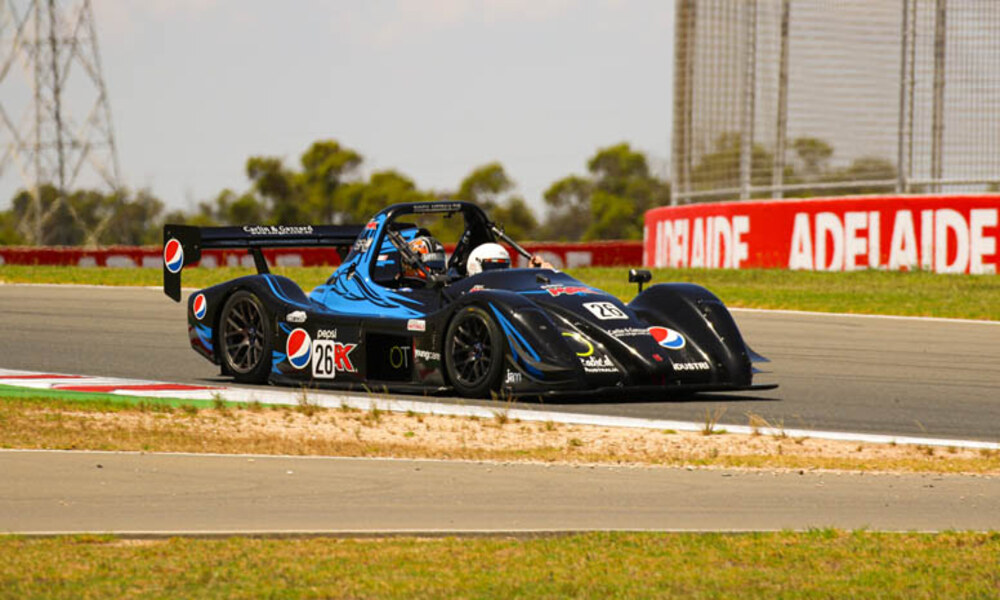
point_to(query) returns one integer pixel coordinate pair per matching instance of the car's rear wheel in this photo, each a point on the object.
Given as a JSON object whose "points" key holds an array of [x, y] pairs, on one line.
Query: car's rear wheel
{"points": [[246, 338], [474, 353]]}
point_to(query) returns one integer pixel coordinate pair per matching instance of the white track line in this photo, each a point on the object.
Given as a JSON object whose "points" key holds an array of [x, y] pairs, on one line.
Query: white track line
{"points": [[384, 403]]}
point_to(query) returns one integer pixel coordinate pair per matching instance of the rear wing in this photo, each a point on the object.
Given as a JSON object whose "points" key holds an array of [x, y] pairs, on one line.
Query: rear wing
{"points": [[182, 244]]}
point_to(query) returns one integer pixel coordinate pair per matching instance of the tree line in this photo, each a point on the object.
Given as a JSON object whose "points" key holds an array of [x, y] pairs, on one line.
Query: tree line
{"points": [[328, 185]]}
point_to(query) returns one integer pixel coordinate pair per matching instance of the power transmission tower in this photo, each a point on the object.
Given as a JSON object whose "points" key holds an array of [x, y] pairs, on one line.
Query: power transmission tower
{"points": [[62, 135]]}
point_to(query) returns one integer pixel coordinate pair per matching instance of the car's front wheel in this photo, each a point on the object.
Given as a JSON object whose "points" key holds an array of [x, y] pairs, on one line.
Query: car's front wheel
{"points": [[245, 338], [474, 353]]}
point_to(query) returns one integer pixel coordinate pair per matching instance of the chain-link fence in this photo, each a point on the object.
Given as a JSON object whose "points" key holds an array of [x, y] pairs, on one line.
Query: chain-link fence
{"points": [[803, 98]]}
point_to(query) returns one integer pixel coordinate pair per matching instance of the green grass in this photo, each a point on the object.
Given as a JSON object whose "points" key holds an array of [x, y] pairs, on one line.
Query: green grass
{"points": [[865, 292], [815, 564], [62, 399]]}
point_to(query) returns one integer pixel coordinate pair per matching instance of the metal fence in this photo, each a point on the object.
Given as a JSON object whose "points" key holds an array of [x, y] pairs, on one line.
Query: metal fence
{"points": [[800, 98]]}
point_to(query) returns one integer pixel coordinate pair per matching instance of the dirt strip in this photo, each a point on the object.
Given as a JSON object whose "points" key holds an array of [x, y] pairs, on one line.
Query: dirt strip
{"points": [[311, 430]]}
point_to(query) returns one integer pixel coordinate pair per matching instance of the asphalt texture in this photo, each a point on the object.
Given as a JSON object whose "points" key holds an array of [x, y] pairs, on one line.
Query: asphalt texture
{"points": [[160, 493], [836, 373]]}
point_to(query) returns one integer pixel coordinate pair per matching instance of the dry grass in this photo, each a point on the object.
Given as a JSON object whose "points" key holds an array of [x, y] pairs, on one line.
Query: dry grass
{"points": [[311, 430]]}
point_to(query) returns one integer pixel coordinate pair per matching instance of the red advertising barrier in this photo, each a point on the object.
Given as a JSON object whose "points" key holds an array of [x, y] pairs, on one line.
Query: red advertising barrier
{"points": [[945, 234], [561, 255]]}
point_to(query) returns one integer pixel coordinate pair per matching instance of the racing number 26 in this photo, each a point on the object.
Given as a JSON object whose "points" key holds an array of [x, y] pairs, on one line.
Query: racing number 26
{"points": [[324, 359], [605, 311]]}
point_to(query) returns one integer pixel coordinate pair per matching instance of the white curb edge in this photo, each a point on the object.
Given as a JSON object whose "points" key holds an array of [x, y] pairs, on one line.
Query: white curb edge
{"points": [[327, 399]]}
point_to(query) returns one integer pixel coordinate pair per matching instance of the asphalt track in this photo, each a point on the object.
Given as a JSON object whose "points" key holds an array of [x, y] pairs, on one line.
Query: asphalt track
{"points": [[837, 373], [149, 494]]}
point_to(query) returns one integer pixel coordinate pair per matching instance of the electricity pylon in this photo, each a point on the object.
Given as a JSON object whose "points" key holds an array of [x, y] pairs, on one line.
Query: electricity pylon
{"points": [[63, 135]]}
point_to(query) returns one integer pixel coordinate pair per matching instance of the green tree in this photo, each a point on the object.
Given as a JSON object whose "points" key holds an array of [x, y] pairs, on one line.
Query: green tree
{"points": [[720, 169], [230, 208], [325, 165], [569, 208], [279, 187], [485, 185], [517, 219], [814, 154], [383, 188], [613, 218], [610, 204], [9, 234], [86, 216], [133, 221], [489, 187]]}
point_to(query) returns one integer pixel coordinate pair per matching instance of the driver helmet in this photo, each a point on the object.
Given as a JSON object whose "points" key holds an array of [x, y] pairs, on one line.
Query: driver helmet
{"points": [[487, 257], [431, 253]]}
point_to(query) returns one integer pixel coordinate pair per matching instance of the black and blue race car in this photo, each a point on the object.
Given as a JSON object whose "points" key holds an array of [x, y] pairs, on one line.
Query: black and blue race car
{"points": [[386, 319]]}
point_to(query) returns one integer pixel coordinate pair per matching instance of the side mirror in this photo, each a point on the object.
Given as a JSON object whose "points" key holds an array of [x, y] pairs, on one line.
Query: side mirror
{"points": [[639, 276]]}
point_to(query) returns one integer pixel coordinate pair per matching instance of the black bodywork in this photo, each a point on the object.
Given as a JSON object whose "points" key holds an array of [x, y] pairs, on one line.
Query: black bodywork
{"points": [[540, 332]]}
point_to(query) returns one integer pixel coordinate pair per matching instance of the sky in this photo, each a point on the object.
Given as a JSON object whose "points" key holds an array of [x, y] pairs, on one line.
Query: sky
{"points": [[432, 88]]}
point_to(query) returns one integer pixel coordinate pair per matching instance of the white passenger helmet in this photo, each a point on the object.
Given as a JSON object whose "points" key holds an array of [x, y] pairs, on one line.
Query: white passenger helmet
{"points": [[486, 257]]}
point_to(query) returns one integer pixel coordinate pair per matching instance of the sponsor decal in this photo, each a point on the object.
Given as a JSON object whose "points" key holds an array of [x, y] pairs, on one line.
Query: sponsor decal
{"points": [[713, 242], [426, 355], [332, 357], [477, 288], [362, 244], [326, 334], [297, 316], [173, 255], [416, 325], [693, 366], [298, 347], [399, 357], [371, 226], [278, 229], [587, 347], [624, 332], [668, 338], [598, 364], [605, 311], [437, 207], [199, 307], [513, 378], [568, 290]]}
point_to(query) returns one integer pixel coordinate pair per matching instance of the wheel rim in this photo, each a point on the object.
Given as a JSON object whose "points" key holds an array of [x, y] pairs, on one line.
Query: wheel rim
{"points": [[472, 351], [243, 335]]}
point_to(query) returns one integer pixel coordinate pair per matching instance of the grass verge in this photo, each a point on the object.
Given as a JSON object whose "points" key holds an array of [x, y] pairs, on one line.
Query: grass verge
{"points": [[42, 420], [813, 564], [863, 292]]}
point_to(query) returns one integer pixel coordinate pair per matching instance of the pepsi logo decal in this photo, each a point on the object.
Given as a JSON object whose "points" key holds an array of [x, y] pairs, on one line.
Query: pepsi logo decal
{"points": [[668, 338], [199, 307], [173, 255], [299, 348]]}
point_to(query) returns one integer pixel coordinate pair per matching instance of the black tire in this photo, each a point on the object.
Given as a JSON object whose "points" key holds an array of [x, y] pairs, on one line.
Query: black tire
{"points": [[246, 337], [474, 353]]}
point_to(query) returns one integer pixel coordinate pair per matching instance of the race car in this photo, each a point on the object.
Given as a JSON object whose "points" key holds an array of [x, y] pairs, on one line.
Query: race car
{"points": [[399, 314]]}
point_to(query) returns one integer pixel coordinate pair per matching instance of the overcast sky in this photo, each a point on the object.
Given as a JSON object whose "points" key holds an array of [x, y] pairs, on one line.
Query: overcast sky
{"points": [[432, 88]]}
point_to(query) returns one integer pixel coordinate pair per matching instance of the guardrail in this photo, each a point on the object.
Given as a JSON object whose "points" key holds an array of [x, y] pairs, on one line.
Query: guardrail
{"points": [[945, 234], [561, 255]]}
